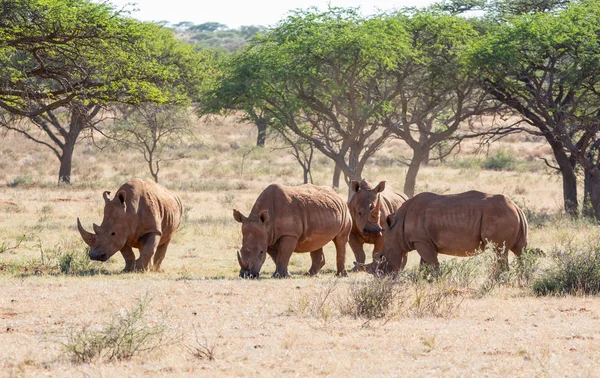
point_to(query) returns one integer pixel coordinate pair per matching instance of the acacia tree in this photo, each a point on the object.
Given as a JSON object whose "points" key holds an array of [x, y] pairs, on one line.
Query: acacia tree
{"points": [[436, 91], [302, 150], [59, 129], [227, 99], [324, 76], [78, 56], [154, 130], [545, 66]]}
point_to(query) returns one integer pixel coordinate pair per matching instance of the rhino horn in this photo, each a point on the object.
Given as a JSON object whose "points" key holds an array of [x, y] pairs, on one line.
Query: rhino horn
{"points": [[88, 238], [243, 265], [96, 228], [374, 216]]}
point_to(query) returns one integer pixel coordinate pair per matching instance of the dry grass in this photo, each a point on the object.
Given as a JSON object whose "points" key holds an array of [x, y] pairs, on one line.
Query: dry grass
{"points": [[274, 327]]}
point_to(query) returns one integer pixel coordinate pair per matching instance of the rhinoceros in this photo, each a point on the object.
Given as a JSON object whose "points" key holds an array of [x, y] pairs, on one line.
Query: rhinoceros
{"points": [[142, 215], [457, 225], [369, 207], [287, 219]]}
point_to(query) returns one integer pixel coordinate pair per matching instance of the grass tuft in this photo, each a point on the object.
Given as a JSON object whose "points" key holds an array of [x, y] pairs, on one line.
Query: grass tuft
{"points": [[124, 336], [370, 299]]}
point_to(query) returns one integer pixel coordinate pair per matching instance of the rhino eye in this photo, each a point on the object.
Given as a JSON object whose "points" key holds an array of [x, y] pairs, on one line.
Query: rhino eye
{"points": [[261, 252], [360, 213], [112, 233]]}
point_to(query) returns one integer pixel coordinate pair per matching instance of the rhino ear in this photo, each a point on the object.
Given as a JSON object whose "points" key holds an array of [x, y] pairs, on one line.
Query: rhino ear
{"points": [[380, 187], [122, 196], [390, 220], [355, 185], [105, 196], [238, 216], [264, 216]]}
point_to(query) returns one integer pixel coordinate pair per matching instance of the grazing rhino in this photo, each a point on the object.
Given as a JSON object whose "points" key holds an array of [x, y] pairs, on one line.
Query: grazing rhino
{"points": [[141, 215], [369, 207], [454, 225], [288, 219]]}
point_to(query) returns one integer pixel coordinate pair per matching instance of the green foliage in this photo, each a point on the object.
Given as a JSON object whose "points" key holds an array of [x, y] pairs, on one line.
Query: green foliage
{"points": [[75, 262], [53, 51], [124, 336], [216, 36], [502, 160], [575, 271], [21, 181]]}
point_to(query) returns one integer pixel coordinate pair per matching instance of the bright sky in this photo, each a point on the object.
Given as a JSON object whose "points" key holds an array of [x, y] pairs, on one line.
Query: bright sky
{"points": [[235, 13]]}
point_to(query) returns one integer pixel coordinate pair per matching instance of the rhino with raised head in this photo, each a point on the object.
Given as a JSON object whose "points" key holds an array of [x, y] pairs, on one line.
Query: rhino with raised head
{"points": [[287, 219], [457, 225], [369, 207], [142, 215]]}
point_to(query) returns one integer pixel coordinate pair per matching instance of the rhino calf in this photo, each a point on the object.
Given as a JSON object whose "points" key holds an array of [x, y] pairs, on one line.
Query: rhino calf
{"points": [[287, 219], [142, 215], [369, 207], [456, 225]]}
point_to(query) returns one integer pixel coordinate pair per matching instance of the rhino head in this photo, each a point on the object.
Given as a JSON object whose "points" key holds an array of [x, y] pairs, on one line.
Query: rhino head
{"points": [[365, 207], [255, 240], [112, 234], [393, 255]]}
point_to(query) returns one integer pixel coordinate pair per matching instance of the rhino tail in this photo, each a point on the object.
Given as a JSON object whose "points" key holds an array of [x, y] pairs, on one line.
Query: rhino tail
{"points": [[521, 243]]}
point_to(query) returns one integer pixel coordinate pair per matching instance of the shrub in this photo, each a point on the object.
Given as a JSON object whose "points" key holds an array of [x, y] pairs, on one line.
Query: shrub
{"points": [[124, 336], [501, 161], [75, 262], [433, 300], [575, 271], [370, 299], [21, 181]]}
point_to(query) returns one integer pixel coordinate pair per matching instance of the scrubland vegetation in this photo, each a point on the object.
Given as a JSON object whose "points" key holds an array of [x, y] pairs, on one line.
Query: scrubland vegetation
{"points": [[428, 100], [198, 317]]}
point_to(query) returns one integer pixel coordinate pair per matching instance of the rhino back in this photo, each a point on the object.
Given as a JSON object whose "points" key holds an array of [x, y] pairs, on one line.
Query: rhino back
{"points": [[155, 208], [308, 212], [458, 223]]}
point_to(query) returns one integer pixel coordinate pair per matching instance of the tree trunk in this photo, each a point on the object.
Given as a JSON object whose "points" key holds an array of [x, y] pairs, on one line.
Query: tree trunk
{"points": [[425, 160], [591, 196], [569, 178], [66, 159], [153, 172], [410, 181], [261, 124], [336, 177], [423, 137]]}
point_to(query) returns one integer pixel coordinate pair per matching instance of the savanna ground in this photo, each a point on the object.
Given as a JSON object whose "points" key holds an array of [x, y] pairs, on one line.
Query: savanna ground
{"points": [[201, 319]]}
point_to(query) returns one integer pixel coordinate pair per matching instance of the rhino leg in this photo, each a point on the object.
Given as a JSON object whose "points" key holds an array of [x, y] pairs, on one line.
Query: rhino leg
{"points": [[340, 242], [129, 257], [429, 255], [149, 245], [285, 247], [356, 244], [159, 256], [318, 261], [272, 251]]}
